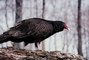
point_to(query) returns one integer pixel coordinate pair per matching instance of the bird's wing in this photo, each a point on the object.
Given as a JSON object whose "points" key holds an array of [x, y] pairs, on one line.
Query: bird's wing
{"points": [[27, 29], [20, 30]]}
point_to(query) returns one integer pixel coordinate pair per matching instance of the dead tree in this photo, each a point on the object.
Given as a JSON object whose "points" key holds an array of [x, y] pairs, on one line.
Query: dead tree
{"points": [[79, 29], [43, 14], [18, 16]]}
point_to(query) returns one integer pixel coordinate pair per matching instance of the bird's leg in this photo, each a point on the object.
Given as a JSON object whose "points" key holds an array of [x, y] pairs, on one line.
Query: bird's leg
{"points": [[25, 44], [37, 45]]}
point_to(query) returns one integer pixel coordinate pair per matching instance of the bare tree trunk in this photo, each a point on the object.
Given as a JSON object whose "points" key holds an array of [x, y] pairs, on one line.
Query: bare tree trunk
{"points": [[8, 43], [18, 10], [6, 13], [18, 15], [4, 44], [79, 29], [36, 8], [43, 14]]}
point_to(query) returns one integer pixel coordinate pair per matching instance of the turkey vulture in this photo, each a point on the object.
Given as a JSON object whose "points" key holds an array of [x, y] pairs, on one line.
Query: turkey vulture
{"points": [[33, 30]]}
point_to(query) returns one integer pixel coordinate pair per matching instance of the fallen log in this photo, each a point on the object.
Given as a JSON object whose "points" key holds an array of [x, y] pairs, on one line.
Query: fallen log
{"points": [[11, 53]]}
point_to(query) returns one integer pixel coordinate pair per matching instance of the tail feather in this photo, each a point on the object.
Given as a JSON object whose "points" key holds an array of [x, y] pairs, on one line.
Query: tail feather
{"points": [[4, 38]]}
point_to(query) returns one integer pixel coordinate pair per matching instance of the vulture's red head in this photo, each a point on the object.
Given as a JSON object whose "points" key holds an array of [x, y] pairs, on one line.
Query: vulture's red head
{"points": [[60, 26], [65, 26]]}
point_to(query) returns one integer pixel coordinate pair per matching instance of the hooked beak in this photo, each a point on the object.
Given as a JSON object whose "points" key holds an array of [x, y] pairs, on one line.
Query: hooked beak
{"points": [[66, 27]]}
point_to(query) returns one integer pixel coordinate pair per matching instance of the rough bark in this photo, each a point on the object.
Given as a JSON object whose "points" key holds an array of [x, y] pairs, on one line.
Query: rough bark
{"points": [[79, 29], [21, 54]]}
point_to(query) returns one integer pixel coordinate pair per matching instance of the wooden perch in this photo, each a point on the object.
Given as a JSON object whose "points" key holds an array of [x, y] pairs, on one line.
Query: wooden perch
{"points": [[22, 54]]}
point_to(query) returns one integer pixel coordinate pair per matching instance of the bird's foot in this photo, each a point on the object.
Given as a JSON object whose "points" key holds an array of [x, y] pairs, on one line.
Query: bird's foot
{"points": [[37, 45]]}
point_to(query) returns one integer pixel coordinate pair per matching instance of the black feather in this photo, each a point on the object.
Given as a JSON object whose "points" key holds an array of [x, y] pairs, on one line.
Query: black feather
{"points": [[32, 30]]}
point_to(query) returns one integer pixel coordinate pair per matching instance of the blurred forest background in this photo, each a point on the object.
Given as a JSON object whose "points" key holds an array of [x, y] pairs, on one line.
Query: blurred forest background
{"points": [[74, 12]]}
